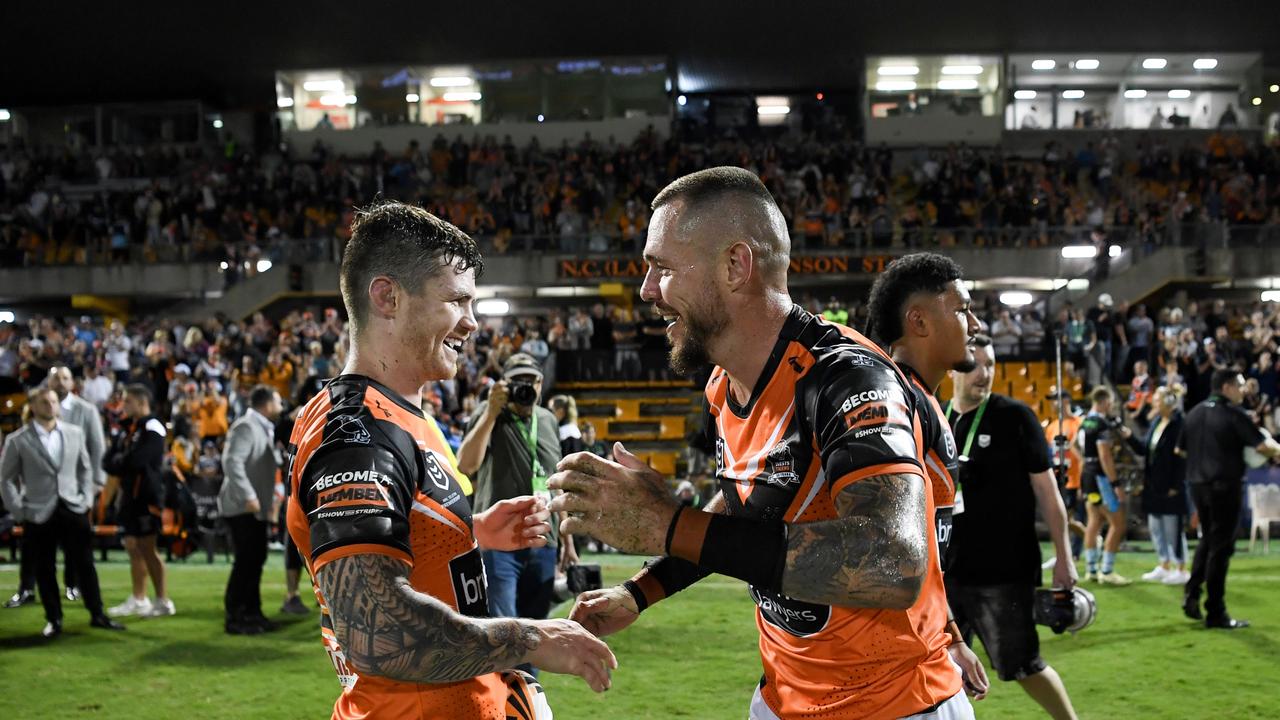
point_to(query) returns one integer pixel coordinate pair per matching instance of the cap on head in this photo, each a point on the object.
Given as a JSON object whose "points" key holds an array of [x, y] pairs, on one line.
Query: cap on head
{"points": [[521, 364]]}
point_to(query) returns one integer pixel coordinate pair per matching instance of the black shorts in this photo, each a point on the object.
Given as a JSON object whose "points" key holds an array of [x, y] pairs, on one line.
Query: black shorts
{"points": [[1000, 615], [292, 560], [138, 521]]}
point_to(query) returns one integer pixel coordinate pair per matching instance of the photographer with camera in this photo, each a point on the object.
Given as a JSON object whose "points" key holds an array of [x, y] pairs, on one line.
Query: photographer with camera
{"points": [[510, 447], [994, 555]]}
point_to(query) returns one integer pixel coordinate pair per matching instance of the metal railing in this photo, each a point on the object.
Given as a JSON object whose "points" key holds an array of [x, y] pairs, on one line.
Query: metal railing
{"points": [[1200, 235]]}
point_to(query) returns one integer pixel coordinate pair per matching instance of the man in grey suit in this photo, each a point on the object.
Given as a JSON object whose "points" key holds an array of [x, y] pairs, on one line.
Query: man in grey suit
{"points": [[47, 482], [249, 465], [84, 415]]}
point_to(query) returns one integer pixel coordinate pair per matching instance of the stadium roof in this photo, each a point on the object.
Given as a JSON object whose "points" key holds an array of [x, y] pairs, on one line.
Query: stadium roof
{"points": [[226, 53]]}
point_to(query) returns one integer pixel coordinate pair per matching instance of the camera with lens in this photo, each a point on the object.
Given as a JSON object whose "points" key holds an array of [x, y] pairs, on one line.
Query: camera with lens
{"points": [[522, 393]]}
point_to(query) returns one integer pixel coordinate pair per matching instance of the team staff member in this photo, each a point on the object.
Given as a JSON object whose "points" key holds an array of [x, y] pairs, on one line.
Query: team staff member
{"points": [[137, 458], [47, 483], [1005, 474], [920, 308], [387, 533], [1104, 500], [1214, 437], [824, 508]]}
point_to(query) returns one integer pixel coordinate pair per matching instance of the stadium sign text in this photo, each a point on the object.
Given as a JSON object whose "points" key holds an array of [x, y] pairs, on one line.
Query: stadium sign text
{"points": [[804, 265]]}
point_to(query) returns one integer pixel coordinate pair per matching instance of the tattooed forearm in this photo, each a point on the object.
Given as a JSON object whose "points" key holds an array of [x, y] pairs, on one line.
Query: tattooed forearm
{"points": [[388, 629], [874, 555]]}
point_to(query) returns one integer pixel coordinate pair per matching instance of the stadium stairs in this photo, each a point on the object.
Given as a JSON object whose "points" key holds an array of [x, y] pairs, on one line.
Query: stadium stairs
{"points": [[650, 417]]}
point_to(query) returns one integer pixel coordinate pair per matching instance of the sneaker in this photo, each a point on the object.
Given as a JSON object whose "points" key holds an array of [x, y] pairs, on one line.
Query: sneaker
{"points": [[1176, 577], [1158, 575], [1112, 578], [294, 606], [1049, 564], [73, 594], [160, 608], [132, 606], [1091, 576]]}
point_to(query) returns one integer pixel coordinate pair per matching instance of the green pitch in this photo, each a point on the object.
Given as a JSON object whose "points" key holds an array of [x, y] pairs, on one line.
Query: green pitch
{"points": [[691, 656]]}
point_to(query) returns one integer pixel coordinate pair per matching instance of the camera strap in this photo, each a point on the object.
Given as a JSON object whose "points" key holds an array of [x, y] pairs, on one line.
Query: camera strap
{"points": [[529, 432]]}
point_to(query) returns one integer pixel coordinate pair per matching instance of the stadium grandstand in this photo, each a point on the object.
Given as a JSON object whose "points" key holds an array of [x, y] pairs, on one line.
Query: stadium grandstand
{"points": [[188, 226]]}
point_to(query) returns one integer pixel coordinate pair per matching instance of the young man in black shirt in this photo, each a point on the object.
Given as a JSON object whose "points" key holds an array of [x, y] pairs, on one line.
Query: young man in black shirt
{"points": [[994, 556], [1214, 437]]}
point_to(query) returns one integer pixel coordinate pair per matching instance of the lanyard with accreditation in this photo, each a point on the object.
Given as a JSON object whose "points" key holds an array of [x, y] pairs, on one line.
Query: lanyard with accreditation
{"points": [[529, 432], [968, 445]]}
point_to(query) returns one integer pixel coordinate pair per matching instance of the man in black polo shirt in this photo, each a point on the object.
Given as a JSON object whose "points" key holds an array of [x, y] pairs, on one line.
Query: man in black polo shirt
{"points": [[994, 558], [1214, 437]]}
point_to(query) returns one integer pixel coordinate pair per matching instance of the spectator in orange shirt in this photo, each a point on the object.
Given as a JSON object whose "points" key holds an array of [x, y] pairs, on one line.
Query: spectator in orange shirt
{"points": [[211, 416], [278, 373]]}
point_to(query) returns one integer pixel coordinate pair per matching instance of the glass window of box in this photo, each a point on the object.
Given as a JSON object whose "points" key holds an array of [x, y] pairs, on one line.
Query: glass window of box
{"points": [[518, 91], [1132, 91]]}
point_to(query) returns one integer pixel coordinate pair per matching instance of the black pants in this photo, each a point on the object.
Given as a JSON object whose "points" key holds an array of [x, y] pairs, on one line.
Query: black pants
{"points": [[243, 598], [27, 570], [1219, 509], [41, 541]]}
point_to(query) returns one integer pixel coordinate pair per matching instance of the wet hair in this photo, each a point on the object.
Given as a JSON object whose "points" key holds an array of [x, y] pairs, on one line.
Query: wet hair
{"points": [[402, 242]]}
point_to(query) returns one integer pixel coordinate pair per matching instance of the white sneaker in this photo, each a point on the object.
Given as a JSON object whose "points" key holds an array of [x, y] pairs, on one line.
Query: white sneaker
{"points": [[1049, 564], [1113, 578], [160, 608], [132, 606], [1176, 577], [1157, 575]]}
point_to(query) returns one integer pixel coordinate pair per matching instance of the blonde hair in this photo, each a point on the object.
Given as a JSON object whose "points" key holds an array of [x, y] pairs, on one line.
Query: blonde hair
{"points": [[566, 403]]}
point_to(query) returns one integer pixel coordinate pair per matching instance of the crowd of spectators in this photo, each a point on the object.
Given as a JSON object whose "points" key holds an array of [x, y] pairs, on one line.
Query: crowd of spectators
{"points": [[229, 203]]}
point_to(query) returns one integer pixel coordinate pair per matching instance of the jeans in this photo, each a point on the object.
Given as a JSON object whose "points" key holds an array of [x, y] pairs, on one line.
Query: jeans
{"points": [[1169, 538], [520, 582]]}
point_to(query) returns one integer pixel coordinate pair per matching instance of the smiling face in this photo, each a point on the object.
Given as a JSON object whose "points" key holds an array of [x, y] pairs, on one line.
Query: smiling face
{"points": [[975, 385], [682, 284], [437, 321]]}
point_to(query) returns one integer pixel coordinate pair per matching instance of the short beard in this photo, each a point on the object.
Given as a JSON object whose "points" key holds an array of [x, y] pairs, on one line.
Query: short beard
{"points": [[690, 355]]}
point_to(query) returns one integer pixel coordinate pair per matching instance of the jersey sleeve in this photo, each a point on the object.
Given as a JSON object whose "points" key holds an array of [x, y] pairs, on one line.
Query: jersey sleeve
{"points": [[863, 419], [357, 499], [1036, 456]]}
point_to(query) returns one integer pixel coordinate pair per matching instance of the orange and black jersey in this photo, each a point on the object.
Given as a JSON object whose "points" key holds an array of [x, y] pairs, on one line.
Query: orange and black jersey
{"points": [[941, 459], [368, 475], [830, 409]]}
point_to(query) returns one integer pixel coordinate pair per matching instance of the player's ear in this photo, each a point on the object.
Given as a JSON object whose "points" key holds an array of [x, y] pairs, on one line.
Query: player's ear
{"points": [[740, 264], [384, 297], [916, 321]]}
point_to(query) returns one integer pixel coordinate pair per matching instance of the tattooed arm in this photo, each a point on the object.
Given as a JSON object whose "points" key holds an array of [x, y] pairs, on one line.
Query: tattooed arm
{"points": [[388, 629], [874, 555]]}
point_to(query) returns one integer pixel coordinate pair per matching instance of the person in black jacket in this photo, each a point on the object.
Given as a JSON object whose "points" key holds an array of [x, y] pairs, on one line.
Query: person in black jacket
{"points": [[1164, 486], [136, 459]]}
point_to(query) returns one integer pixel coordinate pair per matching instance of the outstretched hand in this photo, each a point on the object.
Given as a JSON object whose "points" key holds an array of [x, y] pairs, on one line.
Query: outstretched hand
{"points": [[513, 524]]}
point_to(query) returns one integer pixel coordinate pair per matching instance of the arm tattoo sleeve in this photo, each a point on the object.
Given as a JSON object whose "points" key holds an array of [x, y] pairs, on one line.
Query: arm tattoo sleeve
{"points": [[874, 555], [388, 629]]}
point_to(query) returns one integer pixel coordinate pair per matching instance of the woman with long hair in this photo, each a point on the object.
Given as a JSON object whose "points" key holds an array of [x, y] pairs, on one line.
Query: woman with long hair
{"points": [[1164, 494]]}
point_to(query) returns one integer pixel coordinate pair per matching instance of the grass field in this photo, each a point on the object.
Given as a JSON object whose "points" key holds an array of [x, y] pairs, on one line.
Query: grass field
{"points": [[693, 656]]}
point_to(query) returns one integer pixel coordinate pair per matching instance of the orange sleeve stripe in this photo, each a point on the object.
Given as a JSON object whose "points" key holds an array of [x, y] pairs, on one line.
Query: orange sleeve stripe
{"points": [[652, 589], [329, 556], [864, 473], [689, 534]]}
